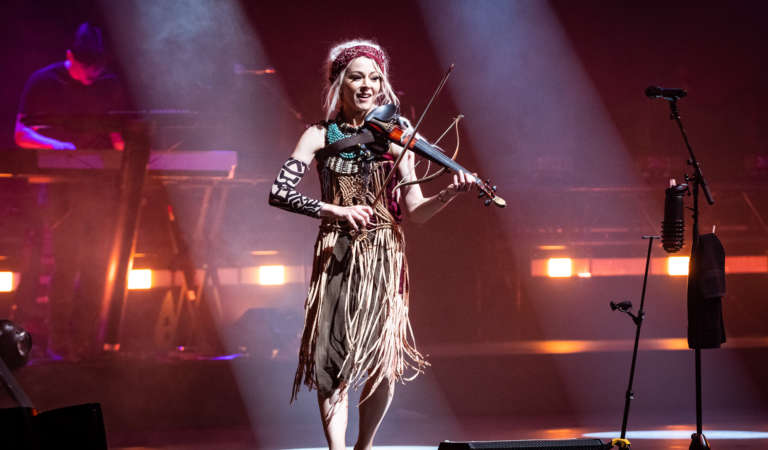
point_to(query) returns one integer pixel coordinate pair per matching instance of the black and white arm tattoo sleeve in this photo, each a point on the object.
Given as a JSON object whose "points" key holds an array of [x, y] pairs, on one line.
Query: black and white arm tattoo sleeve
{"points": [[284, 194]]}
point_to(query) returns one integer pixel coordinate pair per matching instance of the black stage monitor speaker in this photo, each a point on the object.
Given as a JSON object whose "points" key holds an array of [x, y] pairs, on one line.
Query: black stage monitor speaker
{"points": [[570, 444], [80, 427]]}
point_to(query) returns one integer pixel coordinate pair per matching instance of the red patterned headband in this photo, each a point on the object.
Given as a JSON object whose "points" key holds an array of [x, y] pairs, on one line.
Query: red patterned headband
{"points": [[348, 54]]}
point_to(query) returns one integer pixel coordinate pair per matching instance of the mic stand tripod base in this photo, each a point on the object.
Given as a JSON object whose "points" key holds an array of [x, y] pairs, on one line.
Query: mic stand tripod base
{"points": [[620, 443], [699, 442]]}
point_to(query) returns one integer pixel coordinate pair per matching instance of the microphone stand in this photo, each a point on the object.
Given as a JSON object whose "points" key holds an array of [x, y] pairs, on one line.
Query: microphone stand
{"points": [[698, 440], [625, 307]]}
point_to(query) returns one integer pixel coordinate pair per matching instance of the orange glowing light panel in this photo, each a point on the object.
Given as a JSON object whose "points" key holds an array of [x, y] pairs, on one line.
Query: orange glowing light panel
{"points": [[6, 281], [559, 267], [617, 267], [562, 347], [677, 265], [271, 275], [746, 264], [140, 279], [551, 247]]}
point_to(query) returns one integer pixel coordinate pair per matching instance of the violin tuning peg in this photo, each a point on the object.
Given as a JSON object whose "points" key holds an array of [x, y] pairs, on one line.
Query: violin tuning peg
{"points": [[487, 202], [493, 188], [481, 194]]}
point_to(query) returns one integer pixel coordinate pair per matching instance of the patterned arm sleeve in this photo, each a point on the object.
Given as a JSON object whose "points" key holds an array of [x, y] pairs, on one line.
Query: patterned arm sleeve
{"points": [[284, 194]]}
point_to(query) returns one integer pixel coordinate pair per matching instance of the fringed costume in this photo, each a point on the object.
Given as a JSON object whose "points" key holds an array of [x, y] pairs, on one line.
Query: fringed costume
{"points": [[356, 324]]}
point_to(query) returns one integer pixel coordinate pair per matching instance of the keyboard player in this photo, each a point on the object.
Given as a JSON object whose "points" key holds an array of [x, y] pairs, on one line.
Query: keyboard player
{"points": [[81, 84], [80, 214]]}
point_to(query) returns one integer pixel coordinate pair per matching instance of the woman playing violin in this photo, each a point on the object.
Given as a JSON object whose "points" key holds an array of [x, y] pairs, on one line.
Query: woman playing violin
{"points": [[356, 329]]}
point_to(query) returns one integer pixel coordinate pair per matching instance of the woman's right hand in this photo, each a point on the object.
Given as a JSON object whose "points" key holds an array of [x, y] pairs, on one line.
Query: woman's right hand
{"points": [[357, 216]]}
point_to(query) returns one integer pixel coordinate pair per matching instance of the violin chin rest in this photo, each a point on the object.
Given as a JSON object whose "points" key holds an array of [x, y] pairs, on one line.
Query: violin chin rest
{"points": [[384, 113]]}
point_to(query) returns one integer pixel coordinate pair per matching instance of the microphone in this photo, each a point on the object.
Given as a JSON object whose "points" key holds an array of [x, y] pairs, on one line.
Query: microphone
{"points": [[666, 94], [673, 226]]}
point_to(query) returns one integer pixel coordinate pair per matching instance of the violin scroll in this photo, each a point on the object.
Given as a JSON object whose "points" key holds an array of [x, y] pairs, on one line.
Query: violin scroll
{"points": [[488, 190]]}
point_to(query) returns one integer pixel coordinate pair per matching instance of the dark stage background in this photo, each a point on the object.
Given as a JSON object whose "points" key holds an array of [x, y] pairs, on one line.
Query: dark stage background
{"points": [[555, 115]]}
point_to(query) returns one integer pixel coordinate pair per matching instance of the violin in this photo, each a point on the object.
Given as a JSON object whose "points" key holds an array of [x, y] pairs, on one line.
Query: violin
{"points": [[385, 121]]}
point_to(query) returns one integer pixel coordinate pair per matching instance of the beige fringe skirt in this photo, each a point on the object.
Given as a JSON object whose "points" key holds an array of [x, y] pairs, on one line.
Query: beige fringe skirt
{"points": [[356, 325]]}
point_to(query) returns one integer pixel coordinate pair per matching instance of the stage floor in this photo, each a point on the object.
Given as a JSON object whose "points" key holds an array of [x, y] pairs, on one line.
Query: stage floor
{"points": [[183, 402], [394, 435]]}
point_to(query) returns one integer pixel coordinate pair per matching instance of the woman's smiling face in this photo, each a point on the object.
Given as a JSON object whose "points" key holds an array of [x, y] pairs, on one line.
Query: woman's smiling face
{"points": [[360, 87]]}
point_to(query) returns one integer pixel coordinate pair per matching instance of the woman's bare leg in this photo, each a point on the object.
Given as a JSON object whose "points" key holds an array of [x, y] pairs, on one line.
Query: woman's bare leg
{"points": [[372, 412], [333, 412]]}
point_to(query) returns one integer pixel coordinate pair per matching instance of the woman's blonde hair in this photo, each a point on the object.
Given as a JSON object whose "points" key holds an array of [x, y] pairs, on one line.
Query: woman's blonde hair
{"points": [[331, 105]]}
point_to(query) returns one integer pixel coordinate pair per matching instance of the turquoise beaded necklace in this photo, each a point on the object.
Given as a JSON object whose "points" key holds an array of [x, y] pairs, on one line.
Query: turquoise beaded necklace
{"points": [[334, 133]]}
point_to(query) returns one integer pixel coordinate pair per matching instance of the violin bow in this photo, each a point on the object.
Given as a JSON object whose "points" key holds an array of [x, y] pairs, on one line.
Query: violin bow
{"points": [[413, 135], [454, 124]]}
